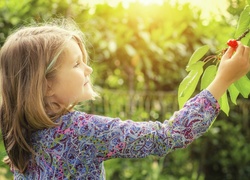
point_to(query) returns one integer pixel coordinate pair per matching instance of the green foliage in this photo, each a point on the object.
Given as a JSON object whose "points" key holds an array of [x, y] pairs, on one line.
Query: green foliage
{"points": [[145, 49], [4, 170], [208, 76], [134, 46], [243, 23], [189, 83], [241, 86], [198, 54]]}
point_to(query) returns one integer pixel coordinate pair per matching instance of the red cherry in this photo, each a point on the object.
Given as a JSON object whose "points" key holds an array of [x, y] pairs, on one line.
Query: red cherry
{"points": [[232, 43]]}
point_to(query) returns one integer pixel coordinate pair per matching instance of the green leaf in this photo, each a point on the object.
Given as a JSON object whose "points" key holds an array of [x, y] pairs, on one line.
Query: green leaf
{"points": [[243, 86], [245, 40], [208, 76], [223, 101], [243, 23], [195, 66], [198, 54], [234, 93], [188, 85]]}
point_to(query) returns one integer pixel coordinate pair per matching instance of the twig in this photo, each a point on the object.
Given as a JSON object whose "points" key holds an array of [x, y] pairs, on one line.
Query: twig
{"points": [[243, 35]]}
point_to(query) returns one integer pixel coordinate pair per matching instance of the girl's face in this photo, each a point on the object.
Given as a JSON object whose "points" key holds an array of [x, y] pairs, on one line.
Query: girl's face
{"points": [[72, 81]]}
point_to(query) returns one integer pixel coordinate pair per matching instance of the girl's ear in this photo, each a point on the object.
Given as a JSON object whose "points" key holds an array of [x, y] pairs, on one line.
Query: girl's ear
{"points": [[49, 91]]}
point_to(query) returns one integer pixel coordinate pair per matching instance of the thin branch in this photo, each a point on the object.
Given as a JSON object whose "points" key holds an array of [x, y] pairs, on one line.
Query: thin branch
{"points": [[243, 35]]}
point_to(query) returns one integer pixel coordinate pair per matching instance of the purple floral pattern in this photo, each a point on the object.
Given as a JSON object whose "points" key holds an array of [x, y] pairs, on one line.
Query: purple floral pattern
{"points": [[78, 147]]}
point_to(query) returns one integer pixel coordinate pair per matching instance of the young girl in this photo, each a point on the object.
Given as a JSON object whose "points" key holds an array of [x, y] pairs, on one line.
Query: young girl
{"points": [[44, 73]]}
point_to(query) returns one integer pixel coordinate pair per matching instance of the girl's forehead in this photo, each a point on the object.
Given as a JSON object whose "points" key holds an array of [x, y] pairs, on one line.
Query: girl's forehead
{"points": [[82, 48], [74, 50]]}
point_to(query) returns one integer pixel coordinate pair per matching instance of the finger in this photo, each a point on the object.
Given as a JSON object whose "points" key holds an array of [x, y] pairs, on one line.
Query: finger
{"points": [[246, 56], [242, 58], [240, 49], [228, 54], [243, 54], [247, 52]]}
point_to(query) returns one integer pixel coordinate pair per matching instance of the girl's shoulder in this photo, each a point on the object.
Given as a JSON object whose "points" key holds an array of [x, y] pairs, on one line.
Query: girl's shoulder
{"points": [[79, 117], [68, 124], [74, 124], [76, 120]]}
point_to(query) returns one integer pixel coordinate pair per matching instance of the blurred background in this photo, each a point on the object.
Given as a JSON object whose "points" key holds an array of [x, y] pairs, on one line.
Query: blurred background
{"points": [[139, 50]]}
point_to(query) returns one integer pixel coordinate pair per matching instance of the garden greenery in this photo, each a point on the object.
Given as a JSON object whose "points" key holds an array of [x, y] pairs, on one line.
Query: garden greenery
{"points": [[140, 55]]}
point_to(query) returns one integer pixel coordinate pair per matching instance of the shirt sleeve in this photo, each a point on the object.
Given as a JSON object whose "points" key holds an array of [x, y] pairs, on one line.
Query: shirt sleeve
{"points": [[113, 138]]}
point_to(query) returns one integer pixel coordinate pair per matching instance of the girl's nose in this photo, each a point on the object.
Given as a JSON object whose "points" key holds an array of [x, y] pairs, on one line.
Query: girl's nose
{"points": [[88, 70]]}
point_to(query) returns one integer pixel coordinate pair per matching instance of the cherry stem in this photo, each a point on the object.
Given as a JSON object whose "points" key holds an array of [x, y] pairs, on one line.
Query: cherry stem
{"points": [[243, 35]]}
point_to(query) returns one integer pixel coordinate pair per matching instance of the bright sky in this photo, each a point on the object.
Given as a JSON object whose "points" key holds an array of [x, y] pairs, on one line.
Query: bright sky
{"points": [[207, 6]]}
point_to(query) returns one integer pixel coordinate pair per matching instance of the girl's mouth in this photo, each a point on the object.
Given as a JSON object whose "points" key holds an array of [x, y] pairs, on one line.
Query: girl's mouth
{"points": [[86, 83]]}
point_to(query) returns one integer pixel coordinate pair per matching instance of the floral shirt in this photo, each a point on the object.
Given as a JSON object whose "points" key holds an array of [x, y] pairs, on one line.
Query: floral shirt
{"points": [[78, 147]]}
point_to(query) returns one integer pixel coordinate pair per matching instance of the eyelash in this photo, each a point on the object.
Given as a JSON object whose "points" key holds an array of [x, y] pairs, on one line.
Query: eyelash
{"points": [[77, 64]]}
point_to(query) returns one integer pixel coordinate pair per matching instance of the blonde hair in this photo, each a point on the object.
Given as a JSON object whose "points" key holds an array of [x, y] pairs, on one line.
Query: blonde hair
{"points": [[28, 59]]}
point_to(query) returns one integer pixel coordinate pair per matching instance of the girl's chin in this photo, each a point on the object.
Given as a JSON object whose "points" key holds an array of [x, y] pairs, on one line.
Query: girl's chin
{"points": [[87, 96]]}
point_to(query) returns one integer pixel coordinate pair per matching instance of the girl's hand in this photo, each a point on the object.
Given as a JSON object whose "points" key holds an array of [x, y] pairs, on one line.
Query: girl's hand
{"points": [[234, 64]]}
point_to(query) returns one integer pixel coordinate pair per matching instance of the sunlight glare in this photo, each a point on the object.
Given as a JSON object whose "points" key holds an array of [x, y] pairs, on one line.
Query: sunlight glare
{"points": [[207, 7], [148, 2]]}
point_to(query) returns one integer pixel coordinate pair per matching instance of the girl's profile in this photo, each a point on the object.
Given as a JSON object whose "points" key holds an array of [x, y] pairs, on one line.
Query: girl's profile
{"points": [[44, 73]]}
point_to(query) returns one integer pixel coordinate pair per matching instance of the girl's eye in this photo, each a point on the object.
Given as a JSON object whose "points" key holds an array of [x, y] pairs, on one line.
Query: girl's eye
{"points": [[77, 64]]}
